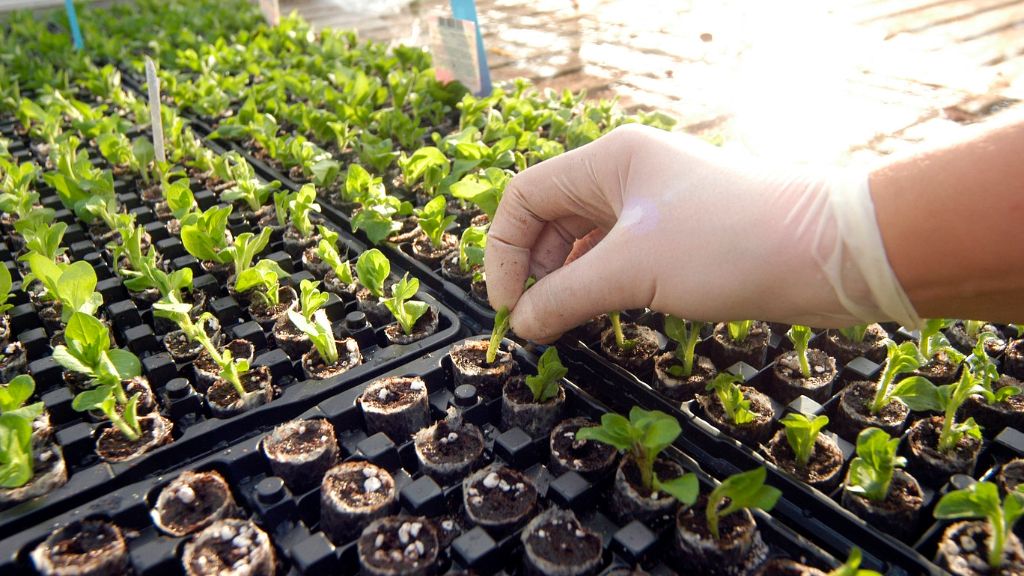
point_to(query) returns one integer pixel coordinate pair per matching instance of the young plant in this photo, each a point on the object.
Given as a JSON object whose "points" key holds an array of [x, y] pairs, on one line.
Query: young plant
{"points": [[5, 290], [74, 285], [427, 164], [361, 185], [949, 398], [484, 190], [620, 338], [327, 250], [248, 189], [373, 269], [311, 299], [687, 334], [41, 235], [181, 202], [501, 326], [981, 500], [644, 436], [933, 341], [433, 222], [172, 308], [241, 253], [855, 333], [232, 370], [917, 392], [872, 470], [299, 207], [206, 236], [406, 310], [16, 460], [87, 351], [264, 281], [471, 248], [105, 399], [318, 329], [852, 566], [736, 406], [739, 330], [550, 372], [800, 336], [802, 433], [745, 490], [986, 372]]}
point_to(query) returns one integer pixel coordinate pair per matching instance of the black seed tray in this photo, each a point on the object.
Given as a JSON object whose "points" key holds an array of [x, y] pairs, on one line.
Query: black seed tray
{"points": [[721, 454], [292, 520]]}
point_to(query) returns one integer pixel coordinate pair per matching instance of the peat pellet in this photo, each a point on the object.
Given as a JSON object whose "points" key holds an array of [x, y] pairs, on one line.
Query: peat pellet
{"points": [[393, 545], [963, 550], [631, 501], [425, 326], [638, 359], [470, 366], [738, 549], [589, 458], [113, 446], [519, 409], [315, 368], [83, 548], [556, 544], [448, 449], [223, 398], [301, 451], [353, 494], [396, 406], [229, 547], [49, 472], [498, 498], [193, 501], [898, 514]]}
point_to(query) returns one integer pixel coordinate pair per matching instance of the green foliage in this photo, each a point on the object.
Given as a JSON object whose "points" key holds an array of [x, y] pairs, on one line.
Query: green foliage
{"points": [[916, 391], [484, 190], [300, 206], [800, 336], [247, 188], [471, 248], [620, 339], [739, 330], [949, 398], [687, 334], [501, 326], [327, 250], [644, 435], [5, 289], [406, 310], [244, 249], [373, 269], [427, 164], [933, 341], [41, 236], [233, 369], [550, 371], [433, 222], [16, 461], [852, 566], [376, 217], [872, 470], [985, 371], [87, 351], [74, 285], [802, 433], [311, 299], [105, 398], [981, 500], [730, 396], [360, 185], [264, 280], [318, 329], [205, 237], [745, 490]]}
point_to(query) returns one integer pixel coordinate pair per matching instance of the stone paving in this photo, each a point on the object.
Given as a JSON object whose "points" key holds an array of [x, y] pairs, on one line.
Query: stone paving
{"points": [[840, 81]]}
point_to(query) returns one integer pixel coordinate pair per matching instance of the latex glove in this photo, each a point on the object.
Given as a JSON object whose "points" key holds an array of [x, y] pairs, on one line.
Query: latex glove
{"points": [[682, 227]]}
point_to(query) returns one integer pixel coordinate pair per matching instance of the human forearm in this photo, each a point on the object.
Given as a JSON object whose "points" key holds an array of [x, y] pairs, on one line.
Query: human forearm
{"points": [[951, 222]]}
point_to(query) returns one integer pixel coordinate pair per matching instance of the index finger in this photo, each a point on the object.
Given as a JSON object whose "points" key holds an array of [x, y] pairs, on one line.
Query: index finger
{"points": [[585, 182]]}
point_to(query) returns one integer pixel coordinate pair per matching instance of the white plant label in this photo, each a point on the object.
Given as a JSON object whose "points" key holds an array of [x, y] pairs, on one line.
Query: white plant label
{"points": [[155, 118], [453, 42], [271, 11]]}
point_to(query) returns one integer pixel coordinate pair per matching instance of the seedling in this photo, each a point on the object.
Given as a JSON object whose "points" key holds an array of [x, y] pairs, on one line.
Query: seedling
{"points": [[855, 333], [41, 235], [739, 330], [621, 341], [327, 250], [471, 248], [483, 190], [171, 307], [644, 436], [206, 236], [800, 336], [745, 490], [406, 310], [985, 372], [299, 206], [311, 299], [264, 277], [981, 500], [5, 289], [433, 222], [852, 566], [320, 333], [361, 185], [373, 269], [801, 433], [181, 202], [730, 396], [247, 189], [242, 252], [15, 450], [232, 370], [687, 334], [872, 470], [501, 326], [282, 201], [550, 372], [105, 399], [949, 398], [376, 217], [87, 351], [427, 164], [933, 341], [916, 391], [74, 285]]}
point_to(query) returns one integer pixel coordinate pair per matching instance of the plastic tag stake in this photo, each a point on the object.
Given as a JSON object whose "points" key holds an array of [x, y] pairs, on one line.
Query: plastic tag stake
{"points": [[155, 118], [76, 32]]}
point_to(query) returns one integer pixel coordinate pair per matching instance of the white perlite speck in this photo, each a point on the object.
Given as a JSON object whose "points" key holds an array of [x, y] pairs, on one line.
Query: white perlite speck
{"points": [[383, 394], [372, 484], [302, 429], [378, 541], [417, 385], [447, 525], [410, 551], [403, 533], [186, 494], [369, 472], [452, 437], [491, 480]]}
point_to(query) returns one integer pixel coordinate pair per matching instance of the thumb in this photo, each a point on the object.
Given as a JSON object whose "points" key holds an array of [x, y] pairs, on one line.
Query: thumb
{"points": [[607, 277]]}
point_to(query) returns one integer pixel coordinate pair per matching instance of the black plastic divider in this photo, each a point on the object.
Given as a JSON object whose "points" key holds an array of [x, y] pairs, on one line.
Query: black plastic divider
{"points": [[291, 520], [803, 507]]}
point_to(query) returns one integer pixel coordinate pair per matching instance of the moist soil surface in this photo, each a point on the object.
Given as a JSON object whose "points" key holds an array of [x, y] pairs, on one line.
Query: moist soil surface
{"points": [[346, 359], [859, 396], [425, 326], [288, 330], [451, 451], [88, 545], [926, 437], [219, 556], [512, 497], [684, 388], [254, 380], [395, 549], [760, 405], [964, 551], [348, 486], [564, 543], [422, 249], [845, 350], [312, 436], [259, 309], [823, 369], [755, 342], [238, 348], [902, 496], [113, 445], [826, 458], [645, 349], [730, 527], [581, 455], [519, 393], [399, 394], [209, 497], [1012, 474], [940, 370], [665, 469]]}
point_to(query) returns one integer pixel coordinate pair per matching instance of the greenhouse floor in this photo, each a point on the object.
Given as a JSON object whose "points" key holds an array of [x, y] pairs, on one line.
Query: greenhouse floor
{"points": [[834, 81]]}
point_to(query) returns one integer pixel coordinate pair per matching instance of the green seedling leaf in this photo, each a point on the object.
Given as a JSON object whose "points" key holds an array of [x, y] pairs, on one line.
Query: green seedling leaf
{"points": [[15, 393], [433, 222], [501, 327], [406, 311], [645, 435], [734, 403], [550, 371], [373, 269], [686, 488], [471, 248], [802, 433], [15, 451], [981, 500], [852, 566], [745, 490], [872, 470], [319, 332], [800, 336]]}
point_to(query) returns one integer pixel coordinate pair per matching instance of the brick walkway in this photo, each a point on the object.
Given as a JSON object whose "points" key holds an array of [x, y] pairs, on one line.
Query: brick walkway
{"points": [[833, 80]]}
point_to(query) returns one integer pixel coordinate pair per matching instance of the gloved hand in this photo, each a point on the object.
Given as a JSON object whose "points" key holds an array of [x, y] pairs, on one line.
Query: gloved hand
{"points": [[669, 222]]}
